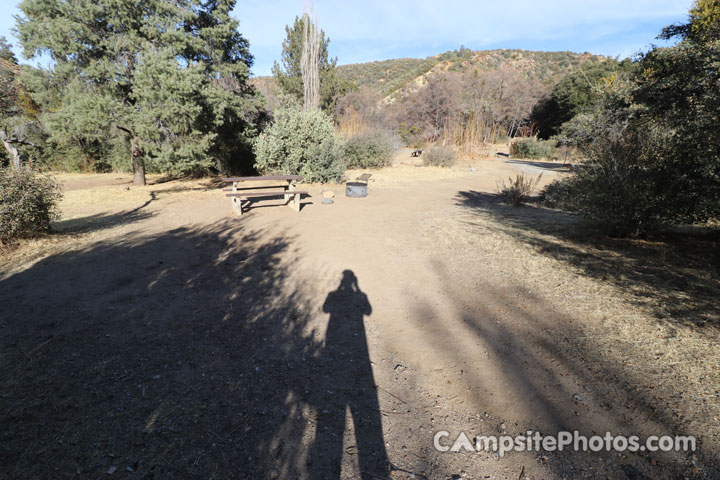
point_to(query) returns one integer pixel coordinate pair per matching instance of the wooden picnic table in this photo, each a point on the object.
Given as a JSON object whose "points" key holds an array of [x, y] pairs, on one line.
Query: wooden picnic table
{"points": [[240, 192]]}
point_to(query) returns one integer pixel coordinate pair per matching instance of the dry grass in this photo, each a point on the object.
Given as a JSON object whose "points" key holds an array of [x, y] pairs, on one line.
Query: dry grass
{"points": [[665, 339]]}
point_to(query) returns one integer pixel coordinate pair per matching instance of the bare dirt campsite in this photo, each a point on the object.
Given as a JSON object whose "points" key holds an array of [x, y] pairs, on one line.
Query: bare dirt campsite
{"points": [[157, 334]]}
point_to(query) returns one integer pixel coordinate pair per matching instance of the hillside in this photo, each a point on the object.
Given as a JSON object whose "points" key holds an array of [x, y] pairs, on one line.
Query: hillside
{"points": [[390, 77]]}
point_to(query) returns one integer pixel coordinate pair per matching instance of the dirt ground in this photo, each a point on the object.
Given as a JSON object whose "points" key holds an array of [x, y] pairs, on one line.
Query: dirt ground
{"points": [[158, 335]]}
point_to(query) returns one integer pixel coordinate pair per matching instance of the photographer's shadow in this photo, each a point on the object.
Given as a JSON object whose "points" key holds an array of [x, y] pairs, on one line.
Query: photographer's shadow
{"points": [[346, 383]]}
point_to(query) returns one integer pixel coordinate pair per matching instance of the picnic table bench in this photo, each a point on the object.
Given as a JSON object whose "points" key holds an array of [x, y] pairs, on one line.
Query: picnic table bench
{"points": [[241, 191]]}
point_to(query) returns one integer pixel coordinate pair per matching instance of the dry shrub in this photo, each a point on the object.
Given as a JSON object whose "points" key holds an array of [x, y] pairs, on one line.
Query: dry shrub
{"points": [[517, 191], [439, 157], [28, 203]]}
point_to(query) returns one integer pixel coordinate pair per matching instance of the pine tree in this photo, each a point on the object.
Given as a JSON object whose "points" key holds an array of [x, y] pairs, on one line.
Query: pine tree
{"points": [[6, 52], [169, 74], [289, 74], [9, 103]]}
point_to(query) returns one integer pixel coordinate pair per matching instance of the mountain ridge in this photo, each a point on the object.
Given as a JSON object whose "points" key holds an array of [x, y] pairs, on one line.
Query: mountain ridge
{"points": [[393, 77]]}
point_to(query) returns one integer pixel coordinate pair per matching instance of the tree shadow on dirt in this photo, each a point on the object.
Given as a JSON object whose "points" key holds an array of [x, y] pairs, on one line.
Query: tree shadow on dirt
{"points": [[678, 277], [98, 222], [196, 353], [552, 373]]}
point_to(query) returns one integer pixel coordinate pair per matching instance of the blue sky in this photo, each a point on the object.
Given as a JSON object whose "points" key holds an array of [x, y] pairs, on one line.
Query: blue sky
{"points": [[362, 31]]}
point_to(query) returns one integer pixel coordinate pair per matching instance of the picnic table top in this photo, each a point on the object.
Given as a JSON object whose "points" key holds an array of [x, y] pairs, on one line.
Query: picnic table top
{"points": [[268, 177]]}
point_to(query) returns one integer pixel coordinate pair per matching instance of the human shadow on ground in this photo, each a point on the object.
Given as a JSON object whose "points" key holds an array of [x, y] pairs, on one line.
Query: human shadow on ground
{"points": [[345, 350], [193, 353], [676, 276]]}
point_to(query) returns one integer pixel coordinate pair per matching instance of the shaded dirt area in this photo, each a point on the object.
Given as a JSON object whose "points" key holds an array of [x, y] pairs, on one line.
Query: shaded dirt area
{"points": [[159, 336]]}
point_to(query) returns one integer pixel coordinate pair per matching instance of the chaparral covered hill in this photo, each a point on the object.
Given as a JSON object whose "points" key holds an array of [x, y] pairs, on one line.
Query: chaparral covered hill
{"points": [[391, 77]]}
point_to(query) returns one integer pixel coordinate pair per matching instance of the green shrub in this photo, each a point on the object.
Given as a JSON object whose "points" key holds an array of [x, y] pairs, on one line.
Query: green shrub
{"points": [[324, 162], [558, 194], [28, 203], [531, 148], [370, 150], [439, 157], [623, 186], [411, 135], [517, 191], [300, 143]]}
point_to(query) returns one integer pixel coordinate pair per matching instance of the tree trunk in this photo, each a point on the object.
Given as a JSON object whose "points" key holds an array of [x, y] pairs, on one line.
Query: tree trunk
{"points": [[14, 153], [136, 157], [310, 62]]}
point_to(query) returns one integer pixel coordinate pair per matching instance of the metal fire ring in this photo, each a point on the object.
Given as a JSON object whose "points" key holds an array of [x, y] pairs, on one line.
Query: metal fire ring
{"points": [[356, 189]]}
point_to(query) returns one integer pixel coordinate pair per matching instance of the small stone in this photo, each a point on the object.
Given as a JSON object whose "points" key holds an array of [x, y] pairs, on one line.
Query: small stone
{"points": [[326, 412], [577, 398], [111, 470], [156, 377], [501, 428], [328, 194], [327, 201]]}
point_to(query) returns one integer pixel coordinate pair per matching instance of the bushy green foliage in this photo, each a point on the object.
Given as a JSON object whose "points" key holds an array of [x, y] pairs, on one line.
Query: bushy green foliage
{"points": [[300, 143], [518, 189], [324, 162], [650, 159], [370, 150], [532, 148], [439, 156], [574, 94], [170, 77], [6, 52], [703, 27], [622, 186], [28, 203]]}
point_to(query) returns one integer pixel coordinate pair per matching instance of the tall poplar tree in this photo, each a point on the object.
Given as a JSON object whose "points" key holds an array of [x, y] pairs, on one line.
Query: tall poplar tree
{"points": [[289, 72], [170, 75]]}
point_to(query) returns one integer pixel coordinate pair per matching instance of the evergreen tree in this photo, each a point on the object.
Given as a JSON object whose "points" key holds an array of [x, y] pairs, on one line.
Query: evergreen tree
{"points": [[289, 74], [652, 154], [12, 122], [171, 75], [703, 26], [6, 52], [575, 93]]}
